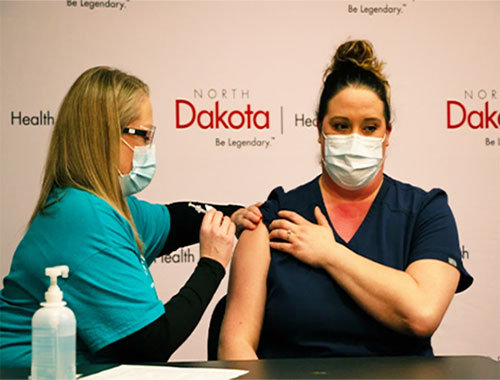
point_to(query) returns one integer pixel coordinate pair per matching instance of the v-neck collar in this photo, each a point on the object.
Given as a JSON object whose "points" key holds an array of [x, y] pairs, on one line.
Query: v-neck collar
{"points": [[371, 210]]}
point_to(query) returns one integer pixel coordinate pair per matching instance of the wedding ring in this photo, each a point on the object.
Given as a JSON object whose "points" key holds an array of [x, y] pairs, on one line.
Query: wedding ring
{"points": [[288, 233]]}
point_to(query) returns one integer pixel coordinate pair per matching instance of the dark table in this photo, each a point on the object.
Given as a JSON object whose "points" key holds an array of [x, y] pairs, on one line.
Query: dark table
{"points": [[441, 367]]}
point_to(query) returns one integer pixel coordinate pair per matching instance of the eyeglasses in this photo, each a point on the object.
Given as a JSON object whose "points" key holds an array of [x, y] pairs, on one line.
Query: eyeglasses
{"points": [[147, 133]]}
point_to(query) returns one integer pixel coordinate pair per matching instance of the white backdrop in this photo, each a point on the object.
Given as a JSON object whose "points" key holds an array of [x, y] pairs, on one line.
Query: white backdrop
{"points": [[267, 59]]}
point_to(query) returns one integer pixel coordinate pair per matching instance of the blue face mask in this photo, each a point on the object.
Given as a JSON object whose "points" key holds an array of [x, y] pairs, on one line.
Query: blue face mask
{"points": [[143, 169]]}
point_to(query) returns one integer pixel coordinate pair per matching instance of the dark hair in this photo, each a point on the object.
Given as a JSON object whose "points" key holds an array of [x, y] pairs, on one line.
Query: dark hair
{"points": [[354, 65]]}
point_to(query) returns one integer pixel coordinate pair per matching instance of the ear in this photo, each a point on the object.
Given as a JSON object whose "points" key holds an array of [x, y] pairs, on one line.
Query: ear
{"points": [[388, 134]]}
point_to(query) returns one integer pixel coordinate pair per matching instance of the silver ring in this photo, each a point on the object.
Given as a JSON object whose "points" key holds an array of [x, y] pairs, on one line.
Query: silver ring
{"points": [[288, 234]]}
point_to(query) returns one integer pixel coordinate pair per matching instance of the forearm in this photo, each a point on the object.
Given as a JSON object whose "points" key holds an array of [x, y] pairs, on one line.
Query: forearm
{"points": [[185, 309], [159, 340], [402, 300]]}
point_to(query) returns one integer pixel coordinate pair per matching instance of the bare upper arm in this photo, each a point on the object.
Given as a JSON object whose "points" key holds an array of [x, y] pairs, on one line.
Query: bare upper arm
{"points": [[247, 286]]}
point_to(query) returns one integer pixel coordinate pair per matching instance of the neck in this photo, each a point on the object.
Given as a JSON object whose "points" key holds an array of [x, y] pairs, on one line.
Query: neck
{"points": [[368, 192]]}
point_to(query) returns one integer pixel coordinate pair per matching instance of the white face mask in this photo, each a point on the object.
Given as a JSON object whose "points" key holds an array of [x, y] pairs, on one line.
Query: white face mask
{"points": [[143, 169], [352, 161]]}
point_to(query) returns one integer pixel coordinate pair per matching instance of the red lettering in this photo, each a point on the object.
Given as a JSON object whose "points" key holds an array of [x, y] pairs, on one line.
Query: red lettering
{"points": [[232, 123], [210, 115], [490, 117], [475, 119], [217, 118], [266, 119], [178, 125], [448, 113], [469, 119], [249, 112]]}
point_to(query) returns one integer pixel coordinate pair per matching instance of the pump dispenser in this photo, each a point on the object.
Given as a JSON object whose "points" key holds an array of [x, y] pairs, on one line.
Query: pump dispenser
{"points": [[53, 334]]}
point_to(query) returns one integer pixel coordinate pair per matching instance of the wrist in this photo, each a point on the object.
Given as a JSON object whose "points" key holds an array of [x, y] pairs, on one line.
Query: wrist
{"points": [[332, 258], [214, 265]]}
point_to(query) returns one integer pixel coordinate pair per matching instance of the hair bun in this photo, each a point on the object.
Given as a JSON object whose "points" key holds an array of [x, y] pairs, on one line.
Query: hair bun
{"points": [[357, 53]]}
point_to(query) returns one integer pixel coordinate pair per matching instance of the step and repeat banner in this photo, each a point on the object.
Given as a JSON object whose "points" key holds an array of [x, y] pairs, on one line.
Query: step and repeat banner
{"points": [[234, 87]]}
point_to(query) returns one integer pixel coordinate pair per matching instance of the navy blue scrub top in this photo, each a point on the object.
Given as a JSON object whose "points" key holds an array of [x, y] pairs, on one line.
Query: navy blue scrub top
{"points": [[307, 314]]}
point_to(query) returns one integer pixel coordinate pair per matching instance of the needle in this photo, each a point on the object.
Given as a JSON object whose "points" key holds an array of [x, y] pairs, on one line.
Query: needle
{"points": [[199, 208]]}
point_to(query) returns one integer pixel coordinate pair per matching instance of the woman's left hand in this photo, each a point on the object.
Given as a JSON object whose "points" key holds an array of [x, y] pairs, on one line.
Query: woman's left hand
{"points": [[247, 218], [308, 242]]}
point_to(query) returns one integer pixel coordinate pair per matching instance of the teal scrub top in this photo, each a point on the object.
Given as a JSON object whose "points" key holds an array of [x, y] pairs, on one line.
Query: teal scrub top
{"points": [[109, 289]]}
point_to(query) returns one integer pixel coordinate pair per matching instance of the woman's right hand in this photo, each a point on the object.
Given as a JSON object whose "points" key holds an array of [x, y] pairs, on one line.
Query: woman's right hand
{"points": [[217, 235], [308, 242]]}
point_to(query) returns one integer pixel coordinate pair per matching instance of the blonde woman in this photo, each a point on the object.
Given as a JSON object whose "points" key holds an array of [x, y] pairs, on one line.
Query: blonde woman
{"points": [[354, 262], [101, 152]]}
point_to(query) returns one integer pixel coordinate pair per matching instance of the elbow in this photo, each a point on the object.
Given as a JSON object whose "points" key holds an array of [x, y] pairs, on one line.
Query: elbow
{"points": [[223, 351], [226, 345], [223, 348], [423, 322], [229, 345], [235, 348], [226, 350]]}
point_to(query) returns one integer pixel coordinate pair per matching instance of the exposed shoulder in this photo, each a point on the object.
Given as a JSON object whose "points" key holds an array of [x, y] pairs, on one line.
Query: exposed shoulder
{"points": [[258, 234]]}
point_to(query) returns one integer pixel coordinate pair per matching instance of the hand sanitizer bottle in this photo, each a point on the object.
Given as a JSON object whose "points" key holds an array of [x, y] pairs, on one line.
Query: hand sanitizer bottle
{"points": [[53, 334]]}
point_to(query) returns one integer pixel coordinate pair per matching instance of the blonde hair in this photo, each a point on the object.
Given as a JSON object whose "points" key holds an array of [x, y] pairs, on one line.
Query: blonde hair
{"points": [[354, 64], [84, 149]]}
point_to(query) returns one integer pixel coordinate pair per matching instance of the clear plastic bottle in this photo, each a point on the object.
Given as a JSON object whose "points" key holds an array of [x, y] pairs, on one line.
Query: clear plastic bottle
{"points": [[53, 334]]}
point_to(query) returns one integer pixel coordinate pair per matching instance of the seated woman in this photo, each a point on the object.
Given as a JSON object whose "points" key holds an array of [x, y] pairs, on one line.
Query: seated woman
{"points": [[102, 152], [354, 262]]}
